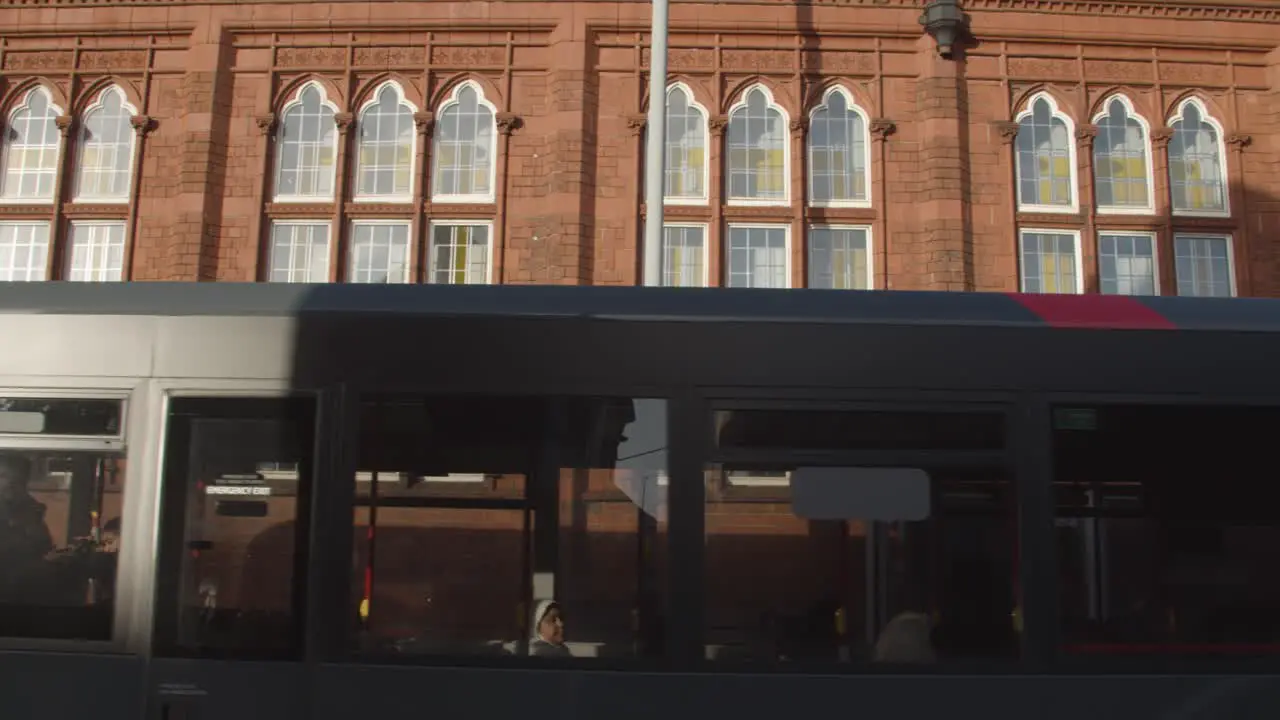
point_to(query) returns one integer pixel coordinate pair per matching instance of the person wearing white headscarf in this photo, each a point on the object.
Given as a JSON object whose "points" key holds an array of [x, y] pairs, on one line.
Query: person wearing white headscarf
{"points": [[548, 631]]}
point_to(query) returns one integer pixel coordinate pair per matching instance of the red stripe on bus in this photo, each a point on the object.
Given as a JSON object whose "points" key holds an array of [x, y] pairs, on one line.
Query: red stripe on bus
{"points": [[1093, 311]]}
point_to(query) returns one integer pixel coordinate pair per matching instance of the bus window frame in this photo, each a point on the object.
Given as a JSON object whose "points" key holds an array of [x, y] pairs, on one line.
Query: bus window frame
{"points": [[1140, 664], [128, 392], [163, 560], [1011, 406]]}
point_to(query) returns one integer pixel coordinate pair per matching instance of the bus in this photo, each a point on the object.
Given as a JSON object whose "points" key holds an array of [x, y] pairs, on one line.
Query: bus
{"points": [[320, 502]]}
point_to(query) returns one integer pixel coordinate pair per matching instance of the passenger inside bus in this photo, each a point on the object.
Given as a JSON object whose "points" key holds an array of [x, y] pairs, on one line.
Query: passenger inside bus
{"points": [[548, 631], [25, 542]]}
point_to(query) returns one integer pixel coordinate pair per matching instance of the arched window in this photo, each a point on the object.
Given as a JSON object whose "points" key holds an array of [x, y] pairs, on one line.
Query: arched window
{"points": [[106, 149], [307, 147], [757, 150], [31, 145], [462, 159], [1121, 159], [839, 173], [1197, 176], [686, 141], [1046, 158], [384, 168]]}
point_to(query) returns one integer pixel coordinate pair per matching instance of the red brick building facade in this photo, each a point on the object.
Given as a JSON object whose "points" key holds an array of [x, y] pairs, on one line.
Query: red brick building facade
{"points": [[1115, 147]]}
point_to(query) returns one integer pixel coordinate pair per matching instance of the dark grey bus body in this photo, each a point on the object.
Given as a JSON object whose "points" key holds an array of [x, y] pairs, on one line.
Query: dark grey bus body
{"points": [[698, 350]]}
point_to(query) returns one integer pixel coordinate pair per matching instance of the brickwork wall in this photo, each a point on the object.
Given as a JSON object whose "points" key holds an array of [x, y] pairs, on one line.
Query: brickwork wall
{"points": [[211, 79]]}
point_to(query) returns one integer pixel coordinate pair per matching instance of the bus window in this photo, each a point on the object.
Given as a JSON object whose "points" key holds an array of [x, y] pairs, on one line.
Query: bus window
{"points": [[1167, 533], [853, 560], [236, 478], [59, 539], [472, 513]]}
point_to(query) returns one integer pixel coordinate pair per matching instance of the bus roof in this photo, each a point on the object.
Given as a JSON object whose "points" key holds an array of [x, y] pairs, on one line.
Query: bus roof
{"points": [[644, 304]]}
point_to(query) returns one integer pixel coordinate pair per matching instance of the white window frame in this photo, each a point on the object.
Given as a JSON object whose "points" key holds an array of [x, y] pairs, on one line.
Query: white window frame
{"points": [[854, 107], [771, 103], [69, 262], [1072, 159], [1155, 254], [453, 99], [706, 249], [705, 197], [62, 145], [291, 222], [78, 194], [413, 148], [1231, 258], [276, 196], [1130, 113], [1208, 118], [48, 242], [786, 244], [871, 267], [431, 247], [351, 246], [1076, 252]]}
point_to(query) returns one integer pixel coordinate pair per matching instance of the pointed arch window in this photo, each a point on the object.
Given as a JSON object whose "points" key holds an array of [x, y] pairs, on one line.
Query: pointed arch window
{"points": [[839, 173], [106, 138], [31, 147], [384, 164], [306, 147], [1046, 158], [686, 148], [1197, 177], [463, 147], [757, 155], [1122, 159]]}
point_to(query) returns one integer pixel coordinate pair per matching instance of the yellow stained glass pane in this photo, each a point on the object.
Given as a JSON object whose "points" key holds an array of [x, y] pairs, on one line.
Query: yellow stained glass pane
{"points": [[769, 169], [695, 157], [1049, 273], [859, 269]]}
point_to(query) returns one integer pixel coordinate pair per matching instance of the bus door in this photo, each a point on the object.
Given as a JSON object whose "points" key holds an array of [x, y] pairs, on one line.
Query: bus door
{"points": [[228, 633], [868, 533]]}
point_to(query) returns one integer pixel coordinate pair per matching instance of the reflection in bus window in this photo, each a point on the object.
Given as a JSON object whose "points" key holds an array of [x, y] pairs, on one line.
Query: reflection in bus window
{"points": [[1167, 534], [59, 539], [472, 511], [236, 479], [788, 584]]}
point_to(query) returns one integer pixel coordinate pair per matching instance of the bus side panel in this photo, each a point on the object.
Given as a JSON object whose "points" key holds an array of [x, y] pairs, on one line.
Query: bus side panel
{"points": [[372, 693], [66, 686], [239, 690]]}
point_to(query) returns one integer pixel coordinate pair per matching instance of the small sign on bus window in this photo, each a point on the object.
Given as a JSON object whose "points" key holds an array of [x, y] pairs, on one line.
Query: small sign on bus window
{"points": [[30, 423], [1075, 419]]}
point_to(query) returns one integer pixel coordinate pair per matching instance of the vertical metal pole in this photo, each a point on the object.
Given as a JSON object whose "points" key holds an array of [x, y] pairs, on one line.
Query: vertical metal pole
{"points": [[655, 169]]}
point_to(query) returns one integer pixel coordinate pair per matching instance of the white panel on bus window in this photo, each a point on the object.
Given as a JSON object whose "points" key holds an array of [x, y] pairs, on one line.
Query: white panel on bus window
{"points": [[76, 345], [860, 493], [259, 348], [21, 422]]}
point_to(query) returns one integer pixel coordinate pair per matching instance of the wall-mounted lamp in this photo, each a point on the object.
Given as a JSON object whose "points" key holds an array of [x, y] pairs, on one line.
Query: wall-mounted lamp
{"points": [[946, 23]]}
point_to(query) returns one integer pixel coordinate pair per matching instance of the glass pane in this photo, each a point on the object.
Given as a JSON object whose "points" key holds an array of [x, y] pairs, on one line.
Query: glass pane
{"points": [[60, 416], [236, 479], [541, 535], [59, 540], [889, 564], [1167, 551]]}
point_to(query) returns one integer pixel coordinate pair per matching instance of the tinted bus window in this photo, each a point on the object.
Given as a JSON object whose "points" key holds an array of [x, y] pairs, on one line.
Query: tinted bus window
{"points": [[1167, 533], [474, 514], [59, 539], [236, 479], [859, 562]]}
